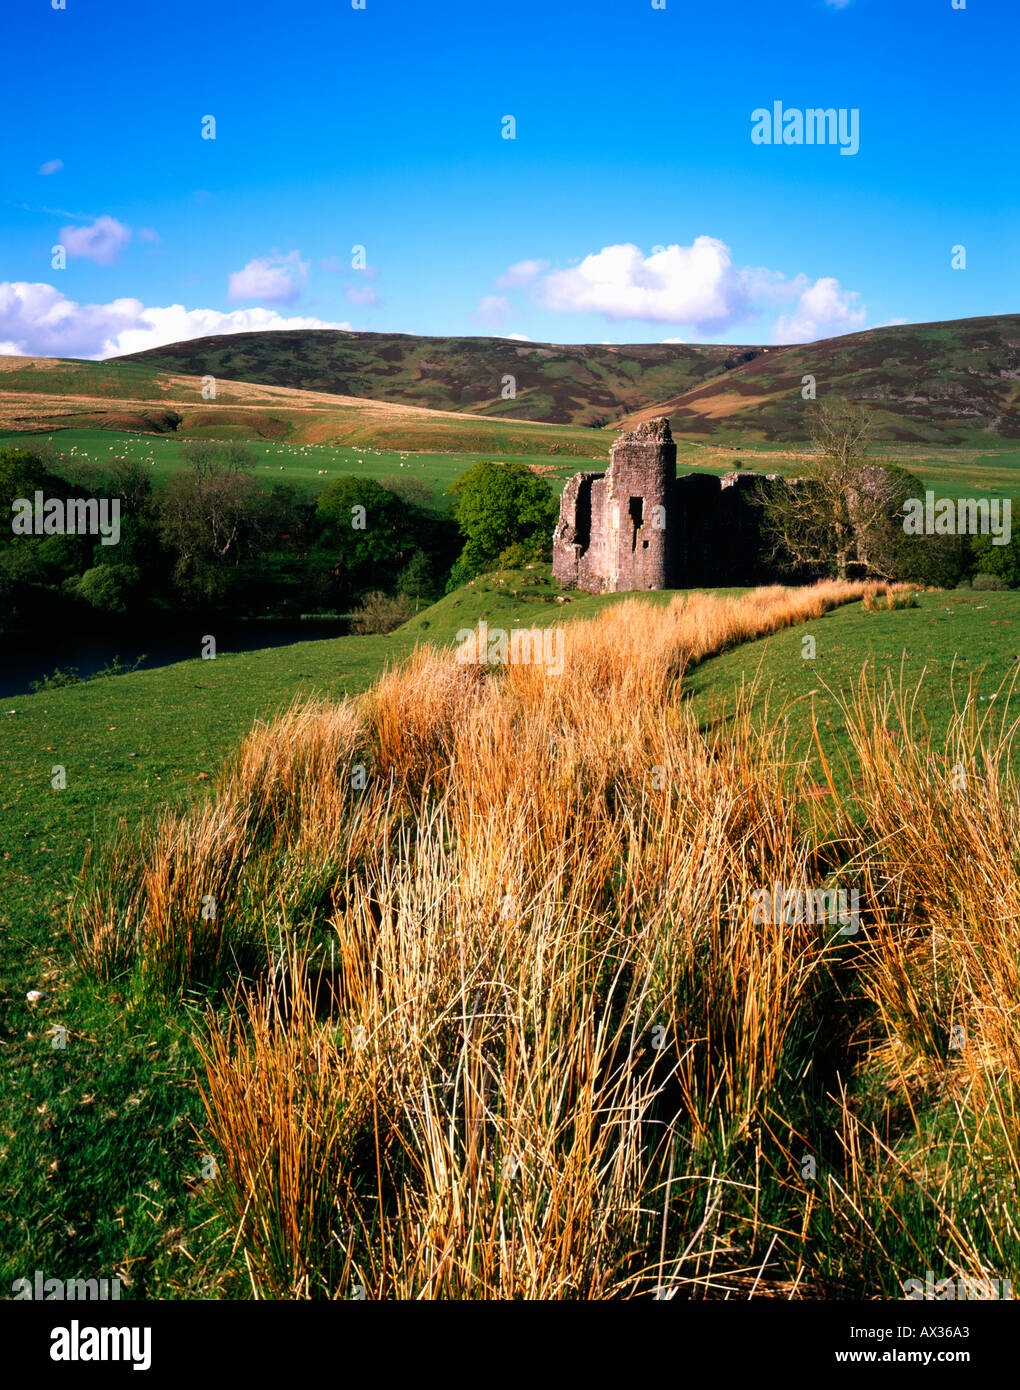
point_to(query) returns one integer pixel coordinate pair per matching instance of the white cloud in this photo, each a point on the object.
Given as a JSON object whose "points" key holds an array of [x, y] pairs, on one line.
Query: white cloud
{"points": [[37, 320], [492, 308], [52, 166], [823, 311], [368, 296], [276, 279], [772, 286], [101, 241], [149, 234], [520, 273], [694, 284], [518, 337]]}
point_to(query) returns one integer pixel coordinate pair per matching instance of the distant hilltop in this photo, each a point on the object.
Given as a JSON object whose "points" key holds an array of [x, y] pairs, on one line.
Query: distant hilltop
{"points": [[951, 382]]}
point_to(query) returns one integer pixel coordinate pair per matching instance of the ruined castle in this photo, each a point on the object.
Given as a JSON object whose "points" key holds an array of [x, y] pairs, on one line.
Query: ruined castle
{"points": [[639, 526]]}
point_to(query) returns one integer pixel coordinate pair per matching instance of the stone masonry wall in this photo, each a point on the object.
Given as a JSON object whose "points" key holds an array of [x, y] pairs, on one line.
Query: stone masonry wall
{"points": [[639, 526]]}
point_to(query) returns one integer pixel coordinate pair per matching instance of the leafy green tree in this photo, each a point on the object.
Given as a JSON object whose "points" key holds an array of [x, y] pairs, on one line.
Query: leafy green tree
{"points": [[1001, 560], [417, 580], [884, 546], [365, 529], [22, 472], [109, 588], [498, 505], [363, 520]]}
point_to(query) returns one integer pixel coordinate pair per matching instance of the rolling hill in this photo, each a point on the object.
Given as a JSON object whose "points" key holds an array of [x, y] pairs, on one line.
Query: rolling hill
{"points": [[952, 382], [45, 394], [922, 383], [587, 384]]}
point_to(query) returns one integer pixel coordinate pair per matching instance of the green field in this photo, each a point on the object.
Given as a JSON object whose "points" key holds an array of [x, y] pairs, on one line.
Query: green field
{"points": [[309, 466], [950, 471], [97, 1138]]}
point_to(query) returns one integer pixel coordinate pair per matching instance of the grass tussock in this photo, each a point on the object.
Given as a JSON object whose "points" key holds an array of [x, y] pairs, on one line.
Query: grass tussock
{"points": [[896, 597], [504, 1015]]}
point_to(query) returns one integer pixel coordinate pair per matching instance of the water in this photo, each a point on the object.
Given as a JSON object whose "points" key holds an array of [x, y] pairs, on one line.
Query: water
{"points": [[26, 659]]}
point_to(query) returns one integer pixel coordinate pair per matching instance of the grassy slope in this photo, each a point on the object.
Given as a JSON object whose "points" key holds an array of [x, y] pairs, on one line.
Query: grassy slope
{"points": [[928, 383], [96, 1138], [944, 643], [563, 384], [45, 394], [953, 381]]}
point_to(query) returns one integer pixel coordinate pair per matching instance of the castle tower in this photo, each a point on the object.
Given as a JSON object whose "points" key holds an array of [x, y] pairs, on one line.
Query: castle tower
{"points": [[639, 490]]}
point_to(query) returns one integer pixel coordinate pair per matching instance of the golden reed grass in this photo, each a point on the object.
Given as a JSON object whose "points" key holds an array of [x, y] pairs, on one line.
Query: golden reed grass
{"points": [[558, 1055]]}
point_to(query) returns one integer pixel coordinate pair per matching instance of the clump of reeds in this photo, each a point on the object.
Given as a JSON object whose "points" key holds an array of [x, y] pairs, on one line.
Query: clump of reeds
{"points": [[897, 596], [560, 1055]]}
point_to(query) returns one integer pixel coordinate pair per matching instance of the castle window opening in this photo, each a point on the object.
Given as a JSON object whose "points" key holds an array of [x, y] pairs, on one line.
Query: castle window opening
{"points": [[583, 515], [637, 505]]}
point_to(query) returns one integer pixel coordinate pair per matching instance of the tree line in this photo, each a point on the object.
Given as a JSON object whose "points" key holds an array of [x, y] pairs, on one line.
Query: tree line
{"points": [[218, 539]]}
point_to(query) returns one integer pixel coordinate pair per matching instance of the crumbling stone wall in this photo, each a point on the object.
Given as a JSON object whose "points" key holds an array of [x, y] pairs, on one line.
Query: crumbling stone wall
{"points": [[639, 526]]}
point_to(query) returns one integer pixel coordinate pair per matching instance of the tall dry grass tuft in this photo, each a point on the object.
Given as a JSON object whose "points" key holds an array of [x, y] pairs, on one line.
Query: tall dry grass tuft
{"points": [[412, 711], [537, 1039], [285, 1104], [552, 961], [944, 873]]}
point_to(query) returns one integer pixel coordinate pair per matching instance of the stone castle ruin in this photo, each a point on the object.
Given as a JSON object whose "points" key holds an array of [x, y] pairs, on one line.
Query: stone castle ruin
{"points": [[639, 526]]}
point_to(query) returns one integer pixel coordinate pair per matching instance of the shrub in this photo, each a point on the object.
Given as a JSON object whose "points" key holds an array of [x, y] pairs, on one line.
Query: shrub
{"points": [[989, 583], [72, 676], [380, 613], [520, 554]]}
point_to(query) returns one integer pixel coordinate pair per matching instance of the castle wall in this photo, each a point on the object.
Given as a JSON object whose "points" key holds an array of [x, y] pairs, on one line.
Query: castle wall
{"points": [[638, 526], [580, 543]]}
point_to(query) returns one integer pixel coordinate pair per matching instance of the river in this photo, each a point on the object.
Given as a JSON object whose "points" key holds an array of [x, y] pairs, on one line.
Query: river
{"points": [[26, 659]]}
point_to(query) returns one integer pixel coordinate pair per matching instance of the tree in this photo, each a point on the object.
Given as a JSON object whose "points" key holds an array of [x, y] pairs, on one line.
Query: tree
{"points": [[822, 521], [497, 505], [884, 546], [416, 579], [364, 527], [212, 517], [1003, 561], [22, 472], [209, 456], [109, 588]]}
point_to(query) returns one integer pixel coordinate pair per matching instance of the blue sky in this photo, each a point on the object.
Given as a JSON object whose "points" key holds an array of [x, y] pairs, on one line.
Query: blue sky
{"points": [[382, 127]]}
